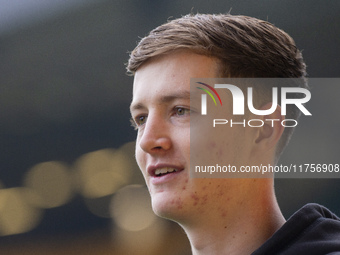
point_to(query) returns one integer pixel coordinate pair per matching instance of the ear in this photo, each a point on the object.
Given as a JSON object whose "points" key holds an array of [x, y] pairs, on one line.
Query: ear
{"points": [[270, 133]]}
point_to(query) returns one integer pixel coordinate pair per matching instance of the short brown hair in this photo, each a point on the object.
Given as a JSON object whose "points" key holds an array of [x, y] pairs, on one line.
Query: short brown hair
{"points": [[246, 47]]}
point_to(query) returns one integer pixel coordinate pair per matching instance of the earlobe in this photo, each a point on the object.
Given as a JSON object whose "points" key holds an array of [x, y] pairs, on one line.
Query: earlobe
{"points": [[270, 133]]}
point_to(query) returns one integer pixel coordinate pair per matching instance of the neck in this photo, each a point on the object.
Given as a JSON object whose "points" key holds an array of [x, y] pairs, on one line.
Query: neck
{"points": [[238, 226]]}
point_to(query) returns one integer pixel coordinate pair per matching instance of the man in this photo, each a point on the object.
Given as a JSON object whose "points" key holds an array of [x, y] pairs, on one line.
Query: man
{"points": [[224, 215]]}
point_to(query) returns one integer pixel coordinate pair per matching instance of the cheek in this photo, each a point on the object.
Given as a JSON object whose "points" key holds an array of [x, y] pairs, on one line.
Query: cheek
{"points": [[186, 148], [140, 158], [218, 148], [180, 140]]}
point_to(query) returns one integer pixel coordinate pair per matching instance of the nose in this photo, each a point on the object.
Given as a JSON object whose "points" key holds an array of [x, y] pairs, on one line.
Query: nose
{"points": [[155, 137]]}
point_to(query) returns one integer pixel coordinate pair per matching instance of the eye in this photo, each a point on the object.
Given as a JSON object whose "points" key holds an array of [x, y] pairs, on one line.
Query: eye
{"points": [[182, 111], [138, 121]]}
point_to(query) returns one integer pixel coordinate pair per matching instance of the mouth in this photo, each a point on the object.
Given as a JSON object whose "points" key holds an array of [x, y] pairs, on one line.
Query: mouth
{"points": [[164, 171]]}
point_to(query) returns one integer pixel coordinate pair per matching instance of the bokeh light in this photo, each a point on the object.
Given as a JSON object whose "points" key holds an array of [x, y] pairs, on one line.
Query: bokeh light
{"points": [[131, 209], [16, 214], [137, 229], [51, 182], [101, 173]]}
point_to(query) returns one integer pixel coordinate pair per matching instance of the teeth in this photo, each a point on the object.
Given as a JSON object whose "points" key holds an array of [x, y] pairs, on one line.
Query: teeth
{"points": [[165, 170]]}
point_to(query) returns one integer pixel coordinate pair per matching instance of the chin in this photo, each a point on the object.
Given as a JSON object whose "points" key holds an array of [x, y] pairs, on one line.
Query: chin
{"points": [[171, 209]]}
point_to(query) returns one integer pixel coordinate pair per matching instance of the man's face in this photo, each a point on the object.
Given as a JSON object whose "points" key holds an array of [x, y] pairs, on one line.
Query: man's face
{"points": [[161, 111]]}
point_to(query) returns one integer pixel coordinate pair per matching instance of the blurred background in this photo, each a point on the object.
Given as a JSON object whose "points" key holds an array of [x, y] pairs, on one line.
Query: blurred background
{"points": [[68, 180]]}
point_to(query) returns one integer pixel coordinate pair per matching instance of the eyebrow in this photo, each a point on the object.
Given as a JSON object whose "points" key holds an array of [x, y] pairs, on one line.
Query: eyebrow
{"points": [[164, 99]]}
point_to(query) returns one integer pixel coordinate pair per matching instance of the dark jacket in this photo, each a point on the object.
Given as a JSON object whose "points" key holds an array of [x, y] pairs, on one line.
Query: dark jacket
{"points": [[313, 230]]}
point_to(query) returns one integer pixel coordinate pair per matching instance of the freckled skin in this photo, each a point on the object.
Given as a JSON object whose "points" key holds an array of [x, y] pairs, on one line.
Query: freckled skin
{"points": [[222, 212], [179, 204], [204, 199], [196, 198], [212, 145]]}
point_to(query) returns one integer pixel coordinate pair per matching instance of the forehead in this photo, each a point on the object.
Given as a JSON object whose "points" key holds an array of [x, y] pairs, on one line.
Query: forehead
{"points": [[170, 74]]}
